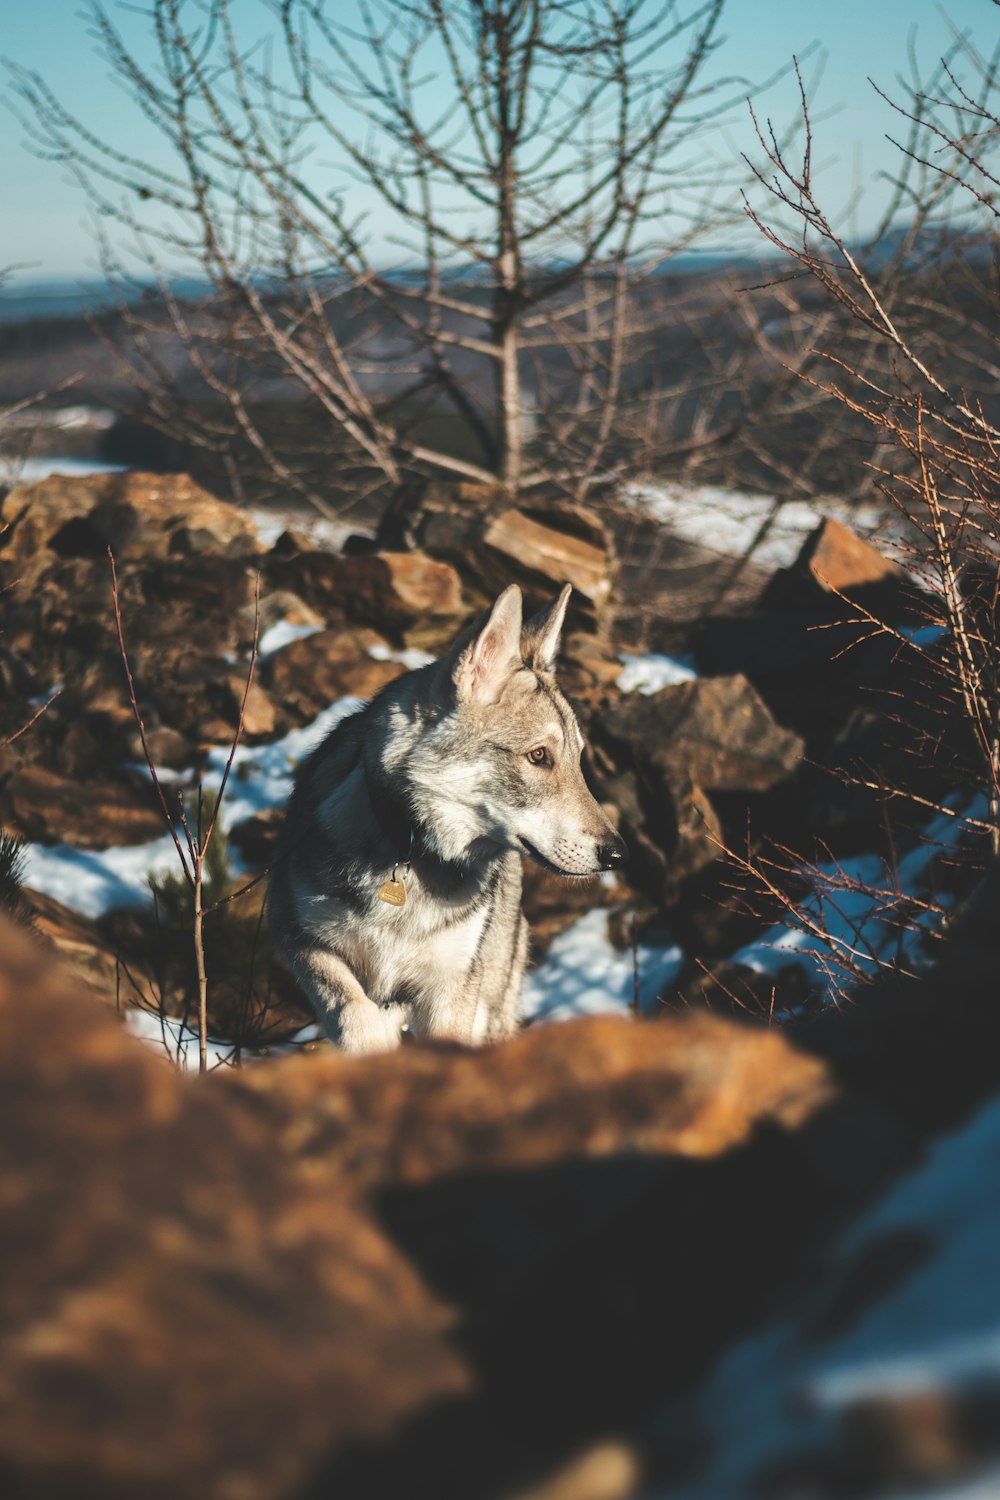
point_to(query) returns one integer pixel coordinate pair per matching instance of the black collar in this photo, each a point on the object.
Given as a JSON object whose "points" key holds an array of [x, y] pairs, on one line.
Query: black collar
{"points": [[392, 815]]}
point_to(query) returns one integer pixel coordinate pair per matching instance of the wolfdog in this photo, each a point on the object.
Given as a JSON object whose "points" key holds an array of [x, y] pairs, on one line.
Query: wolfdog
{"points": [[395, 894]]}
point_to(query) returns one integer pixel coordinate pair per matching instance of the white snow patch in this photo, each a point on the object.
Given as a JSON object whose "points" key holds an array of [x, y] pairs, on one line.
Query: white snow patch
{"points": [[95, 882], [648, 674], [410, 657], [583, 974], [732, 523], [177, 1041], [59, 419], [30, 470], [321, 532], [282, 633]]}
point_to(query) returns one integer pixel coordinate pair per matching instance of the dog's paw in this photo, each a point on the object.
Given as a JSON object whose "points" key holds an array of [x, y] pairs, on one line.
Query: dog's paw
{"points": [[371, 1028]]}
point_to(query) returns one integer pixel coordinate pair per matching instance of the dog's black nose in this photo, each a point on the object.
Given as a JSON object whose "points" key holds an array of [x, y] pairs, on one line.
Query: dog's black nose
{"points": [[612, 854]]}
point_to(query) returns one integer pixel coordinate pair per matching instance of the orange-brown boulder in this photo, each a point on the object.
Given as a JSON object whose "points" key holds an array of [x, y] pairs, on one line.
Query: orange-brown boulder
{"points": [[688, 1086], [180, 1314], [308, 674], [835, 569], [134, 514]]}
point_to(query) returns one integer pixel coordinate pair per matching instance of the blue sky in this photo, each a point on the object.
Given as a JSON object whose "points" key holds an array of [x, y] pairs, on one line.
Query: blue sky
{"points": [[44, 217]]}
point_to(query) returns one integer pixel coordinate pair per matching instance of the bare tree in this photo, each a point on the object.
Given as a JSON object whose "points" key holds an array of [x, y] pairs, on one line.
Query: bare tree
{"points": [[413, 217], [919, 309], [905, 347]]}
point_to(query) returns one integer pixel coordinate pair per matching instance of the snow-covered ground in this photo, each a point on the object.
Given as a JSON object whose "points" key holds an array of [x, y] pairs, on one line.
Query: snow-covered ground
{"points": [[180, 1041], [648, 674], [733, 523], [30, 470], [862, 915], [583, 974], [937, 1331], [320, 531]]}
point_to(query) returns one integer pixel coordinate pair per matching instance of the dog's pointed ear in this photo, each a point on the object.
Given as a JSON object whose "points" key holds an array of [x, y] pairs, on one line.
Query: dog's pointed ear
{"points": [[490, 659], [540, 637]]}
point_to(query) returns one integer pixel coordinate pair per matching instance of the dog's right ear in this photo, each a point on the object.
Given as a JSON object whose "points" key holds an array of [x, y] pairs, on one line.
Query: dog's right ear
{"points": [[489, 660]]}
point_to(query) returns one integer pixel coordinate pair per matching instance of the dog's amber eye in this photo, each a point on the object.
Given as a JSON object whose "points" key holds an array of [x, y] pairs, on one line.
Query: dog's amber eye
{"points": [[540, 756]]}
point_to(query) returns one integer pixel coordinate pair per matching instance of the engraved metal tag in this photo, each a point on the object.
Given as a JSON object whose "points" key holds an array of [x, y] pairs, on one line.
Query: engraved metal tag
{"points": [[394, 892]]}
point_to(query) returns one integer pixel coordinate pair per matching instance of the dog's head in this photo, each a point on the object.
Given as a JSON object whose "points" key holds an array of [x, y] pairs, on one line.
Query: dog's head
{"points": [[502, 760]]}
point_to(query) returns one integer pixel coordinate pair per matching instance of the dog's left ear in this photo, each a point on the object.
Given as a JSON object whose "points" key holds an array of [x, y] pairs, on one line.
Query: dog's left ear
{"points": [[540, 636]]}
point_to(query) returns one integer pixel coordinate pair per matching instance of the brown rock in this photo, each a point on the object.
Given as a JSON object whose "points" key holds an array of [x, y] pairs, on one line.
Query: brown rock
{"points": [[134, 514], [660, 756], [81, 946], [693, 1086], [278, 605], [205, 584], [189, 690], [834, 568], [587, 667], [167, 746], [259, 716], [541, 548], [309, 674], [400, 590], [40, 805], [840, 562], [313, 576], [180, 1313], [718, 730], [546, 557]]}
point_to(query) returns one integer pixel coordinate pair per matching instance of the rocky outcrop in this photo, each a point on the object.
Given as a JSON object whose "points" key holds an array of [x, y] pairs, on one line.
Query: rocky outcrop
{"points": [[147, 515], [415, 597], [309, 674], [218, 1289], [660, 755], [493, 543]]}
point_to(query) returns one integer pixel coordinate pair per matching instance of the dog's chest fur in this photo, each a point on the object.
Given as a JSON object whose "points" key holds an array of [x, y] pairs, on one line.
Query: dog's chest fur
{"points": [[401, 953]]}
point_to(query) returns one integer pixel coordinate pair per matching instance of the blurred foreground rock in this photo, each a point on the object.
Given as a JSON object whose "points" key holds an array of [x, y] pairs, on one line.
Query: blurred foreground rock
{"points": [[687, 1086], [324, 1275], [219, 1289], [179, 1314]]}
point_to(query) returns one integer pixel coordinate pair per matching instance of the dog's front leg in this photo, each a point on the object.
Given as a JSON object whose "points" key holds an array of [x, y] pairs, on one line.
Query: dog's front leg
{"points": [[350, 1019]]}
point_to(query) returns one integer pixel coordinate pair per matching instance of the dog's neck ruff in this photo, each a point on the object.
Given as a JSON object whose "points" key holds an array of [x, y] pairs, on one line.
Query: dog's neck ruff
{"points": [[410, 843], [401, 828]]}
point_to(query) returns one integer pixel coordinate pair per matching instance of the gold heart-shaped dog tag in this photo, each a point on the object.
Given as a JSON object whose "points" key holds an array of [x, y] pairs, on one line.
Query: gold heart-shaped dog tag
{"points": [[393, 892]]}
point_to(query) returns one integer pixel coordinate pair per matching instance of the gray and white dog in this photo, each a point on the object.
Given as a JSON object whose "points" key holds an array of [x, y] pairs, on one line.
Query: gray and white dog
{"points": [[395, 895]]}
